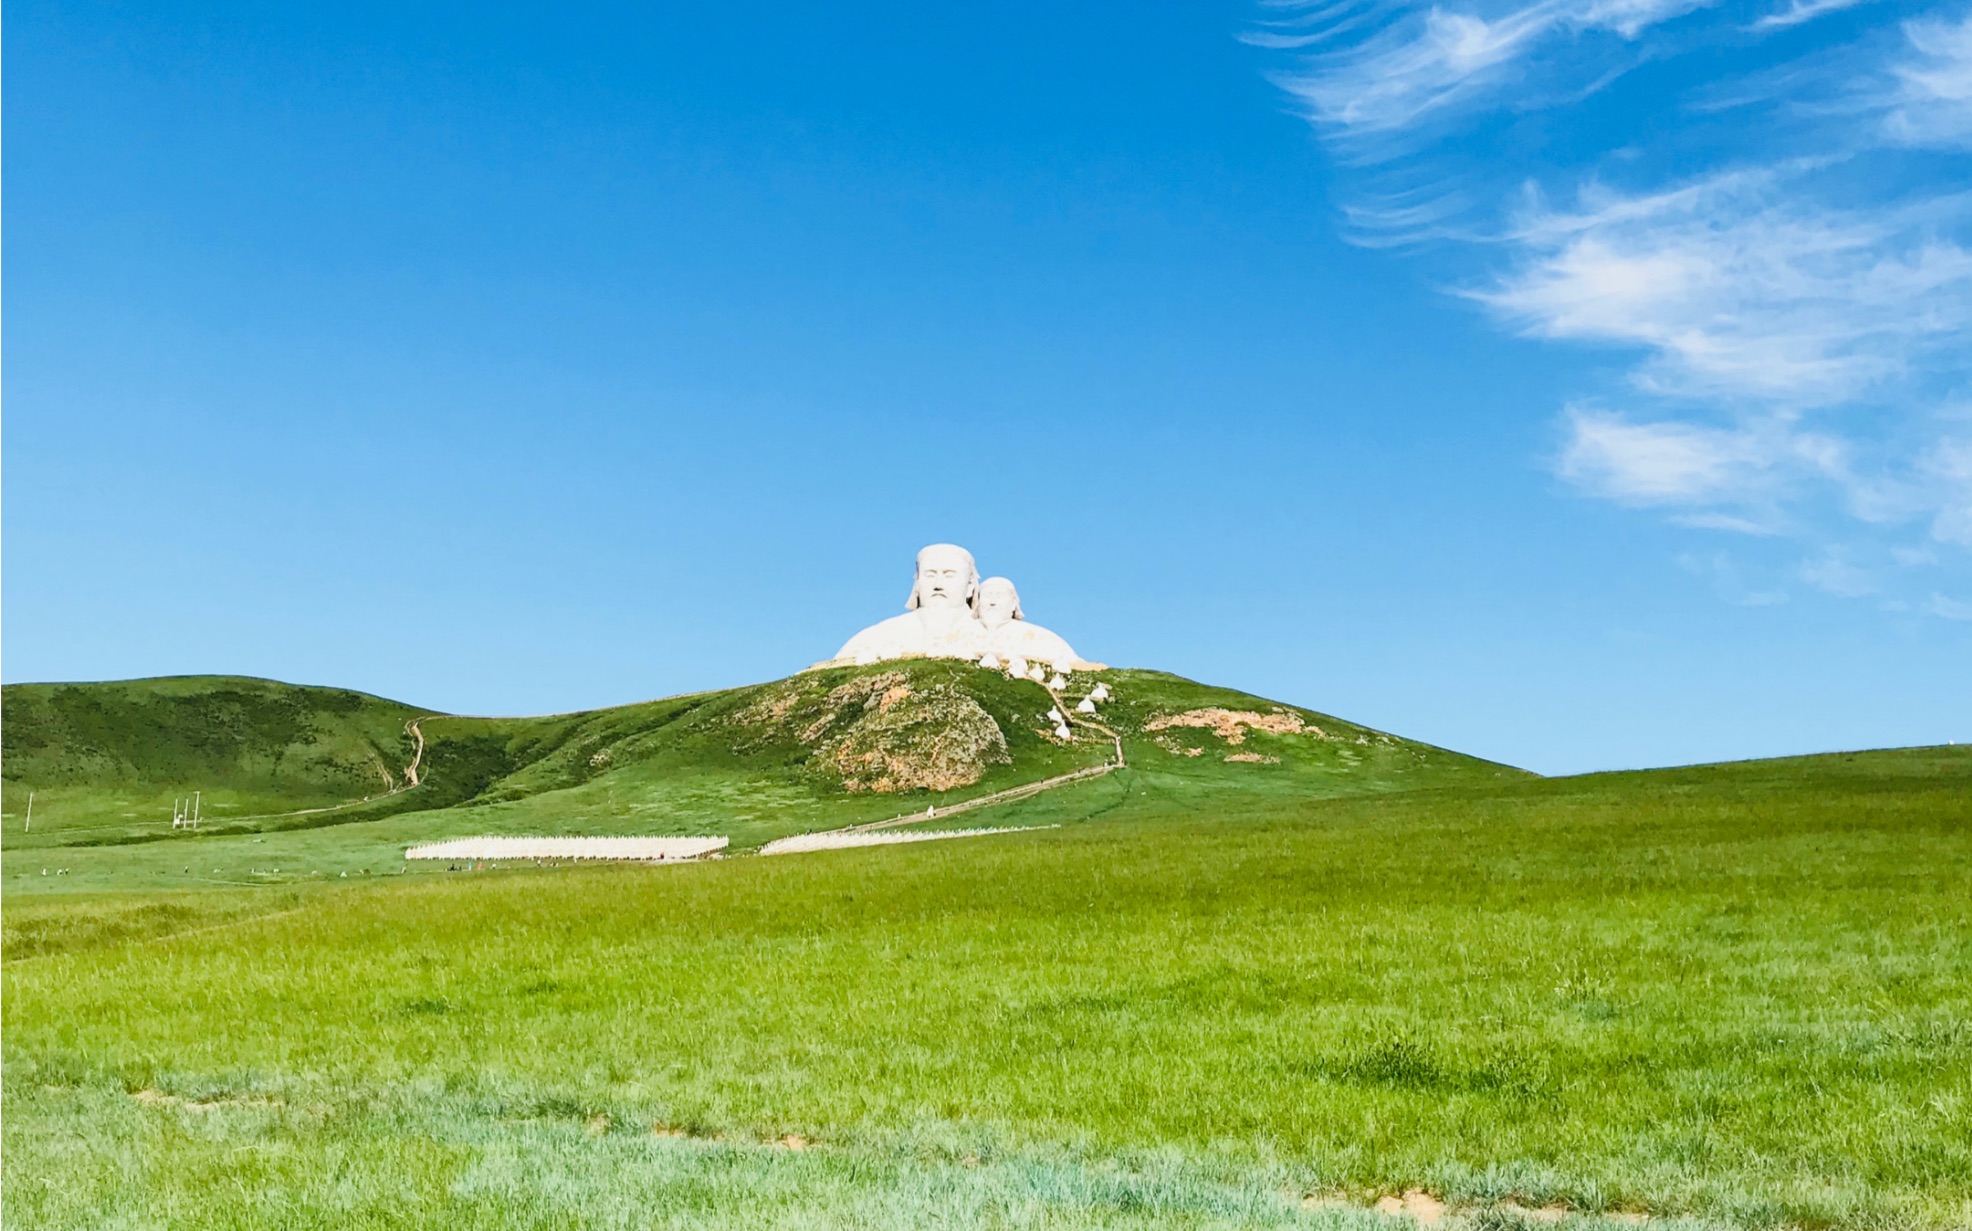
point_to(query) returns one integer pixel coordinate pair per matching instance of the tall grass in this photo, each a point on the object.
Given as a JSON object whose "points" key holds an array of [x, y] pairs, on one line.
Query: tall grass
{"points": [[1739, 995]]}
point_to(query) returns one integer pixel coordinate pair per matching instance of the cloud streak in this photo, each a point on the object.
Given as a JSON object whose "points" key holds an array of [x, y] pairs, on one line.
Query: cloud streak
{"points": [[1681, 464], [1933, 103], [1801, 12], [1781, 261], [1736, 288], [1421, 60]]}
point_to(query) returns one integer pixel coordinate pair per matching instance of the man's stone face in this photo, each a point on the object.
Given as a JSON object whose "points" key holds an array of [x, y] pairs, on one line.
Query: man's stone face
{"points": [[944, 574], [996, 603]]}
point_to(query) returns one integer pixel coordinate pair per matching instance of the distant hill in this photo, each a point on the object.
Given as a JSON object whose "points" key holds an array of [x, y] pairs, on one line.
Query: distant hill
{"points": [[282, 745], [821, 748]]}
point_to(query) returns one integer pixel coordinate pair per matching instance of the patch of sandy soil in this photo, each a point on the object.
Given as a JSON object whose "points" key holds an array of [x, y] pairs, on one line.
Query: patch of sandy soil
{"points": [[157, 1098], [1428, 1211], [1421, 1205], [791, 1141], [1252, 758], [1232, 725]]}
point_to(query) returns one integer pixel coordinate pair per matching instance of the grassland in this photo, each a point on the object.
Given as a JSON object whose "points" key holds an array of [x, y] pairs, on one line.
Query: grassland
{"points": [[1222, 994]]}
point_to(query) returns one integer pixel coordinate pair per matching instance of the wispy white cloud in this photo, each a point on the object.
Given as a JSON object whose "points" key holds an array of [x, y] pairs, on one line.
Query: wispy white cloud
{"points": [[1949, 466], [1727, 580], [1948, 608], [1740, 478], [1731, 523], [1666, 463], [1745, 477], [1933, 102], [1421, 60], [1786, 277], [1834, 574], [1735, 287], [1800, 12]]}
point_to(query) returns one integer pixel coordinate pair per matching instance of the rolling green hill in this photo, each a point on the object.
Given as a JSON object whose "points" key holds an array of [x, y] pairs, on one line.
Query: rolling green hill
{"points": [[1276, 970], [320, 781], [290, 742], [107, 761]]}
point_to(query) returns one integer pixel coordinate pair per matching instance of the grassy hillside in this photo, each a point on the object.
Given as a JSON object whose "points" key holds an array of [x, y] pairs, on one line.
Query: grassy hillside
{"points": [[229, 731], [1729, 996], [106, 761], [285, 799]]}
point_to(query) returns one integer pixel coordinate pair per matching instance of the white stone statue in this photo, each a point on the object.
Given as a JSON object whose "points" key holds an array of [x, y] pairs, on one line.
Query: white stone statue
{"points": [[937, 622], [952, 614], [1010, 636], [998, 602]]}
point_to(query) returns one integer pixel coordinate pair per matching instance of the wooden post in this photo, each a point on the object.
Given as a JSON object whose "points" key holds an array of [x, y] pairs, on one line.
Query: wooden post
{"points": [[29, 823]]}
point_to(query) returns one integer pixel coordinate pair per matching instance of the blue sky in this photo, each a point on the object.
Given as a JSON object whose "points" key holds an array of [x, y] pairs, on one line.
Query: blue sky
{"points": [[1580, 383]]}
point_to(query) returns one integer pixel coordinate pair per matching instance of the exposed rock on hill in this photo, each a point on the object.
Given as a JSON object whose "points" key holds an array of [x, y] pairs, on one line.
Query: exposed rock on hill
{"points": [[881, 732], [1232, 725]]}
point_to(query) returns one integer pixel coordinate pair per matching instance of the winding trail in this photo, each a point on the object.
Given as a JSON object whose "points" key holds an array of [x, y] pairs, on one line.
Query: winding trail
{"points": [[1069, 716], [417, 758], [997, 797]]}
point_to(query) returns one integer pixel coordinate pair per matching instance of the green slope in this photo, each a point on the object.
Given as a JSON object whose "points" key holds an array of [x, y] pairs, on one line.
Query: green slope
{"points": [[816, 751], [1729, 997], [107, 760]]}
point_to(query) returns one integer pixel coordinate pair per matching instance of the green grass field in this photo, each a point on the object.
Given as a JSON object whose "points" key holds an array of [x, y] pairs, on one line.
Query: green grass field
{"points": [[1221, 993]]}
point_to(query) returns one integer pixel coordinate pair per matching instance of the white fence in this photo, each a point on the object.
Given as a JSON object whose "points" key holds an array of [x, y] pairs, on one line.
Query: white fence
{"points": [[645, 850], [838, 839]]}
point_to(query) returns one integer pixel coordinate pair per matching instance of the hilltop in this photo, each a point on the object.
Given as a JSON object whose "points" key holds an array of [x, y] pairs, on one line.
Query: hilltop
{"points": [[817, 750], [258, 743]]}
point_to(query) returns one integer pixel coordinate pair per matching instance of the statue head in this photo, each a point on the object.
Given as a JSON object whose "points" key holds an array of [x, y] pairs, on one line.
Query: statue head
{"points": [[947, 579], [998, 602]]}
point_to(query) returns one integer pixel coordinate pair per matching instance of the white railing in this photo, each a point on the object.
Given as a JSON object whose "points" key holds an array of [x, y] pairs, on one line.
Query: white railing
{"points": [[838, 839], [645, 850]]}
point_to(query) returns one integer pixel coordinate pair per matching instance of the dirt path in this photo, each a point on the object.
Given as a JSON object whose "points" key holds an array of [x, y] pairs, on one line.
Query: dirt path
{"points": [[1069, 716], [417, 758], [997, 797]]}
